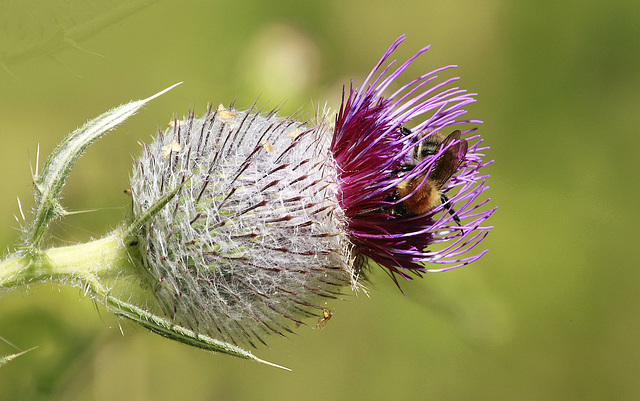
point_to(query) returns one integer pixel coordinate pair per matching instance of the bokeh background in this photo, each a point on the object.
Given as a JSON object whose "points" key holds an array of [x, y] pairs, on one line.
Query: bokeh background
{"points": [[552, 312]]}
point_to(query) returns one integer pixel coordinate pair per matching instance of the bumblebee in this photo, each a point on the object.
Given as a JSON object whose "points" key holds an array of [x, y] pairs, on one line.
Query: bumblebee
{"points": [[422, 193]]}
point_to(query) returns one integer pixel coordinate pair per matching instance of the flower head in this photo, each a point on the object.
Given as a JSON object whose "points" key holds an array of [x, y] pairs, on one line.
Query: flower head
{"points": [[255, 236], [384, 170], [265, 212]]}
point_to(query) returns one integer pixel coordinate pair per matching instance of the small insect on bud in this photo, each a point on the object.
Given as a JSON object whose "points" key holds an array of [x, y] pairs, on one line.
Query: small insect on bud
{"points": [[322, 321], [254, 235]]}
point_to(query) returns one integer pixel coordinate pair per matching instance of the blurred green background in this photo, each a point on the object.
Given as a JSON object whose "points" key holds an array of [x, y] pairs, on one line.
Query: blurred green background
{"points": [[552, 312]]}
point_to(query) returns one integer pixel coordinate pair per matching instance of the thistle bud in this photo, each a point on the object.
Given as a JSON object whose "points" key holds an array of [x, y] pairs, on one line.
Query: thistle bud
{"points": [[254, 236]]}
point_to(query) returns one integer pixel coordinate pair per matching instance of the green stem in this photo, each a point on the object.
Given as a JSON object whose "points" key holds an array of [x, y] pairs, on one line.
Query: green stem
{"points": [[106, 257]]}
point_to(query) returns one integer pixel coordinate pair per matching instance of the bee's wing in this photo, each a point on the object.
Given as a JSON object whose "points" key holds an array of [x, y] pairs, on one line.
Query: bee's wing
{"points": [[448, 163]]}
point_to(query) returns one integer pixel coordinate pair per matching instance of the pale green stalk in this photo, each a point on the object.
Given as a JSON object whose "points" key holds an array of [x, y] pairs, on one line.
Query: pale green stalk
{"points": [[104, 258]]}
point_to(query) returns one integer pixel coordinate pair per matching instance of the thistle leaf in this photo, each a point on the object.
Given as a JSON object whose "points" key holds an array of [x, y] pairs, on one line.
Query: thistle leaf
{"points": [[8, 358], [166, 328], [49, 182]]}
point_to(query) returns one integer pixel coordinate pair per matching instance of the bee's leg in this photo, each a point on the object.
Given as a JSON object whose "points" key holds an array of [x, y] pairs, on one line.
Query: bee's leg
{"points": [[445, 200], [403, 169]]}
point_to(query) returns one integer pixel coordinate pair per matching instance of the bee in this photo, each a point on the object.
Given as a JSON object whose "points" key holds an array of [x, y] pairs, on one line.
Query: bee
{"points": [[423, 192]]}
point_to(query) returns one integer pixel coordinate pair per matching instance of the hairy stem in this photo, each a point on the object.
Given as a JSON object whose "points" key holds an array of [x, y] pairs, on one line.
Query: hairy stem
{"points": [[106, 257]]}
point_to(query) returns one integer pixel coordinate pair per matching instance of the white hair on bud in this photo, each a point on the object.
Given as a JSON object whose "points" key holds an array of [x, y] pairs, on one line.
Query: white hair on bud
{"points": [[255, 235]]}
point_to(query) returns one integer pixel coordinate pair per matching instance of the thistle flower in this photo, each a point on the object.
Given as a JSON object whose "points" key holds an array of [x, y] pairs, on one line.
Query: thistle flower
{"points": [[254, 235], [243, 221], [376, 154]]}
